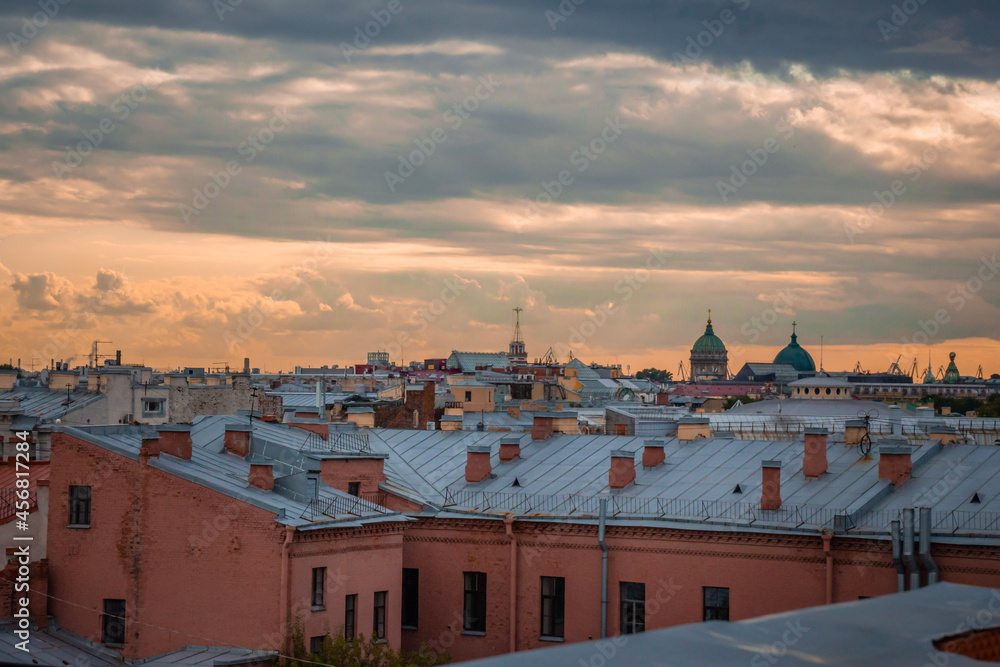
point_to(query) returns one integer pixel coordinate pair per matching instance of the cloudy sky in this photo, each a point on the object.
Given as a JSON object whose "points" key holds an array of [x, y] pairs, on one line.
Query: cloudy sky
{"points": [[303, 182]]}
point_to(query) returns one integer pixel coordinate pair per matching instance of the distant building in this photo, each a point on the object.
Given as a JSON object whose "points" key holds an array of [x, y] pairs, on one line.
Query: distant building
{"points": [[709, 358], [796, 356]]}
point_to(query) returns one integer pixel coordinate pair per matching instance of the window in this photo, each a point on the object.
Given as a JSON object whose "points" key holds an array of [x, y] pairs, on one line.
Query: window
{"points": [[468, 395], [154, 407], [716, 604], [411, 586], [113, 622], [553, 606], [633, 607], [79, 505], [474, 617], [354, 488], [350, 615], [316, 644], [378, 627], [319, 581]]}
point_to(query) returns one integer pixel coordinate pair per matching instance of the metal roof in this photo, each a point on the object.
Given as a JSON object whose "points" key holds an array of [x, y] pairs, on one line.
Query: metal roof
{"points": [[890, 630], [45, 403], [469, 361]]}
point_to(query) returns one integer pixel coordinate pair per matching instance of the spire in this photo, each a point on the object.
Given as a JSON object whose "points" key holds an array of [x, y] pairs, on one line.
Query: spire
{"points": [[794, 337], [708, 327], [517, 324]]}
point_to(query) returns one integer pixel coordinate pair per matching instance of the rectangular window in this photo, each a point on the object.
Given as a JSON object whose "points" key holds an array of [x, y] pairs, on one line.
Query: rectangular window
{"points": [[716, 604], [79, 505], [633, 607], [316, 644], [350, 615], [354, 488], [468, 395], [553, 606], [378, 626], [318, 586], [154, 407], [411, 595], [113, 622], [474, 617]]}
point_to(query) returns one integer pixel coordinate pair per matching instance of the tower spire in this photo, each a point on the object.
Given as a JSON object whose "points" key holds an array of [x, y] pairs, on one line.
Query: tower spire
{"points": [[517, 324]]}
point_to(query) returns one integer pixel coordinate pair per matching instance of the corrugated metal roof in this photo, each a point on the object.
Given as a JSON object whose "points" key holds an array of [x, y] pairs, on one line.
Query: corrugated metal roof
{"points": [[45, 403]]}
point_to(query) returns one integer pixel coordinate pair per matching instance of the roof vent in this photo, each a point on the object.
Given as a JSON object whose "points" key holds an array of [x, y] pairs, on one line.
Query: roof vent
{"points": [[517, 484], [737, 489], [975, 498]]}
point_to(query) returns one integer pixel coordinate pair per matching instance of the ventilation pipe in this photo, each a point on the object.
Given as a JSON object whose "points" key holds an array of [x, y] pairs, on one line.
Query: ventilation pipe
{"points": [[925, 546], [897, 557], [909, 560], [604, 567]]}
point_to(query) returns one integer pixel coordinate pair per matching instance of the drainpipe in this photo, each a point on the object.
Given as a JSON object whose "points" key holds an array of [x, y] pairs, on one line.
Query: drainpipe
{"points": [[897, 558], [604, 567], [925, 546], [827, 537], [283, 615], [909, 560], [508, 525]]}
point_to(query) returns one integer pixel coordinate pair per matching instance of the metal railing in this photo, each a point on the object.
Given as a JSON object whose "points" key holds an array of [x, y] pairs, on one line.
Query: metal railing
{"points": [[743, 513], [8, 502], [338, 441], [340, 506]]}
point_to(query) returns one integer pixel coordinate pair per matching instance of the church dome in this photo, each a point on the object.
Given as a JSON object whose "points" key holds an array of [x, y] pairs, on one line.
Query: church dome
{"points": [[709, 342], [951, 375], [796, 356]]}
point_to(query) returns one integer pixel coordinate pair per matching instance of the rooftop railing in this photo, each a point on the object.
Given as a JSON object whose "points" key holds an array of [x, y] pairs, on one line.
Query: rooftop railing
{"points": [[338, 442]]}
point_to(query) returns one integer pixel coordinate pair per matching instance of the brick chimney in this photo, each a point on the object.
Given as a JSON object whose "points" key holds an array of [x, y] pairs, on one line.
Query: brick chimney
{"points": [[814, 462], [691, 428], [622, 472], [894, 460], [652, 453], [541, 427], [477, 463], [173, 439], [237, 439], [514, 411], [510, 448], [770, 497], [261, 476]]}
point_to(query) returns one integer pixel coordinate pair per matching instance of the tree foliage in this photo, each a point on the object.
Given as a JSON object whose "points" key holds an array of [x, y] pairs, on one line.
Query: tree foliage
{"points": [[362, 651], [654, 374]]}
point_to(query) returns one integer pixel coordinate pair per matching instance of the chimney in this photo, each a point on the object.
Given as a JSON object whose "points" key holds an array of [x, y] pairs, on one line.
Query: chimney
{"points": [[691, 428], [943, 432], [514, 411], [477, 463], [894, 461], [622, 471], [118, 357], [246, 365], [510, 448], [237, 439], [175, 439], [652, 453], [814, 462], [261, 476], [896, 418], [541, 426], [853, 430], [770, 497]]}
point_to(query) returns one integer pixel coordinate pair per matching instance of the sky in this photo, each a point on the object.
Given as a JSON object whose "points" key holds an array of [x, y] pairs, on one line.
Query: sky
{"points": [[304, 182]]}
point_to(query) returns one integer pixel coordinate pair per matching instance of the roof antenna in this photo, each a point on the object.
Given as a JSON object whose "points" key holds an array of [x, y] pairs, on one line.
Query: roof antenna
{"points": [[821, 354]]}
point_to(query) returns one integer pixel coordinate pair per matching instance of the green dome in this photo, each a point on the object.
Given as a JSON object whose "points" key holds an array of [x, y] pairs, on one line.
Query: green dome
{"points": [[929, 378], [796, 356], [951, 375], [709, 342]]}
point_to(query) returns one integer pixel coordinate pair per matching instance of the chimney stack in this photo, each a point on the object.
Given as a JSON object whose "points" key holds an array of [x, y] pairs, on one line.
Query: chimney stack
{"points": [[770, 497], [622, 472], [237, 439], [692, 428], [510, 448], [896, 417], [541, 427], [175, 439], [814, 462], [894, 460], [261, 476], [477, 463], [652, 453]]}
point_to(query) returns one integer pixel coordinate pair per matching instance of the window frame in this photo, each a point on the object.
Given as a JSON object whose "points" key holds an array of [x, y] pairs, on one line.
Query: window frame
{"points": [[318, 588], [80, 507], [312, 644], [350, 614], [410, 606], [555, 619], [109, 617], [380, 614], [474, 603], [715, 612], [354, 489], [632, 609]]}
